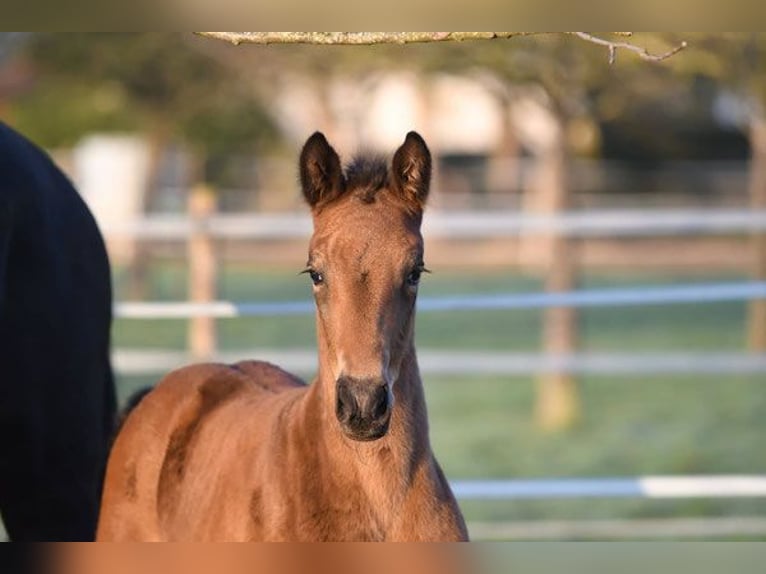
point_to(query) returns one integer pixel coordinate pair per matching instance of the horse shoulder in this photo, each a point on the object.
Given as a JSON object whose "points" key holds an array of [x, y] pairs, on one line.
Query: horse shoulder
{"points": [[147, 440], [151, 461]]}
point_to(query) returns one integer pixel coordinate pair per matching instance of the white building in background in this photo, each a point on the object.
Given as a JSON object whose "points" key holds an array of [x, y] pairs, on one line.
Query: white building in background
{"points": [[392, 108], [111, 171], [464, 117], [463, 121], [459, 116], [456, 114]]}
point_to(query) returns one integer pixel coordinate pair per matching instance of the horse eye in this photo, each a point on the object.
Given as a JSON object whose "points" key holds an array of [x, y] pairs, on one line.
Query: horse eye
{"points": [[316, 277], [414, 277]]}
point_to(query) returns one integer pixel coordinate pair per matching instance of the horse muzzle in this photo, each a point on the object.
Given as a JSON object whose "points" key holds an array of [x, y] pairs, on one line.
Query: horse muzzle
{"points": [[363, 407]]}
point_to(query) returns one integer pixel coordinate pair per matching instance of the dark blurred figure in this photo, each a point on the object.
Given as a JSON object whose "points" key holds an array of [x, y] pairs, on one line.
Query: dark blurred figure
{"points": [[57, 397], [26, 559]]}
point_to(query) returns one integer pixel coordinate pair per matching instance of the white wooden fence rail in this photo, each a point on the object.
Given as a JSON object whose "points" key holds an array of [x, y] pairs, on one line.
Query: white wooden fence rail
{"points": [[644, 295], [603, 223], [722, 486]]}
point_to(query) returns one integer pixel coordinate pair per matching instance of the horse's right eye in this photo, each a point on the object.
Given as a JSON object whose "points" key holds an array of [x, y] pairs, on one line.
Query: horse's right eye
{"points": [[316, 277], [414, 277]]}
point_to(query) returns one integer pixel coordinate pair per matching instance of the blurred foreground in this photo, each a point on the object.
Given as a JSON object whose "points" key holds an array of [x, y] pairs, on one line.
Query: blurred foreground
{"points": [[403, 558]]}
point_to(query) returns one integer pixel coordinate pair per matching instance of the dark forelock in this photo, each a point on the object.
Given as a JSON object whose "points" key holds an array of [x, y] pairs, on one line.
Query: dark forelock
{"points": [[366, 175]]}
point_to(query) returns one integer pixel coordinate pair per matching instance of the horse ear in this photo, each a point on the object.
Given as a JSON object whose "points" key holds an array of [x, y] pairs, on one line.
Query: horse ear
{"points": [[411, 169], [321, 172]]}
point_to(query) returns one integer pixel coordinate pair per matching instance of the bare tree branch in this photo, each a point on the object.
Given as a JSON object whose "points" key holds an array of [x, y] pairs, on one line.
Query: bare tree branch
{"points": [[356, 38], [370, 38], [642, 52]]}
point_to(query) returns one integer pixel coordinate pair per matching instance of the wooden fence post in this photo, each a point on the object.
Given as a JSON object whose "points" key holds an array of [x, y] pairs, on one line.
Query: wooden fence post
{"points": [[757, 308], [202, 271], [558, 401]]}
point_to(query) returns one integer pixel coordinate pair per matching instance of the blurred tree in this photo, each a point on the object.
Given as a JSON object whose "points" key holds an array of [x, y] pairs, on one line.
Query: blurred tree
{"points": [[744, 70], [159, 84], [565, 72], [57, 115], [736, 63], [584, 94]]}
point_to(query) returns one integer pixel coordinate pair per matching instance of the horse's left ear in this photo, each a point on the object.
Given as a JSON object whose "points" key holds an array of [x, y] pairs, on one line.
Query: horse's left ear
{"points": [[411, 169]]}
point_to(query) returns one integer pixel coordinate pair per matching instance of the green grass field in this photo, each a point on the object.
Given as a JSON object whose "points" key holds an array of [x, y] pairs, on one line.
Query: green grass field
{"points": [[483, 427]]}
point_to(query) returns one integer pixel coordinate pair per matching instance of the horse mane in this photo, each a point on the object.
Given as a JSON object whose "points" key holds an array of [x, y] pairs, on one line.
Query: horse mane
{"points": [[365, 175]]}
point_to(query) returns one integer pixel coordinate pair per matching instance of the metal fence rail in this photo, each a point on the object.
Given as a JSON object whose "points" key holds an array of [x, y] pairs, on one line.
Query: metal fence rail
{"points": [[645, 295], [645, 487], [602, 223], [453, 363]]}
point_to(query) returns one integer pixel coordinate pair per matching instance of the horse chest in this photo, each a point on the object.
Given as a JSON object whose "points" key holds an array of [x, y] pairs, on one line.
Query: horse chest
{"points": [[325, 521], [310, 510]]}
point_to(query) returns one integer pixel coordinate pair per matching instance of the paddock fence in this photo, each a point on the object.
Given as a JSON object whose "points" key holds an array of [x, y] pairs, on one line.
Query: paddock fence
{"points": [[592, 223], [605, 223], [203, 226]]}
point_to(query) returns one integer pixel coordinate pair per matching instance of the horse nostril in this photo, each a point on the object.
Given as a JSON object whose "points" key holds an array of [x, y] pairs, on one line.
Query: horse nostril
{"points": [[345, 404], [381, 402]]}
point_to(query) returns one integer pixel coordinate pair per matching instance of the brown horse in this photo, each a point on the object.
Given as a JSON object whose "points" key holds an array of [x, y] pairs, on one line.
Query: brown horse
{"points": [[248, 452]]}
